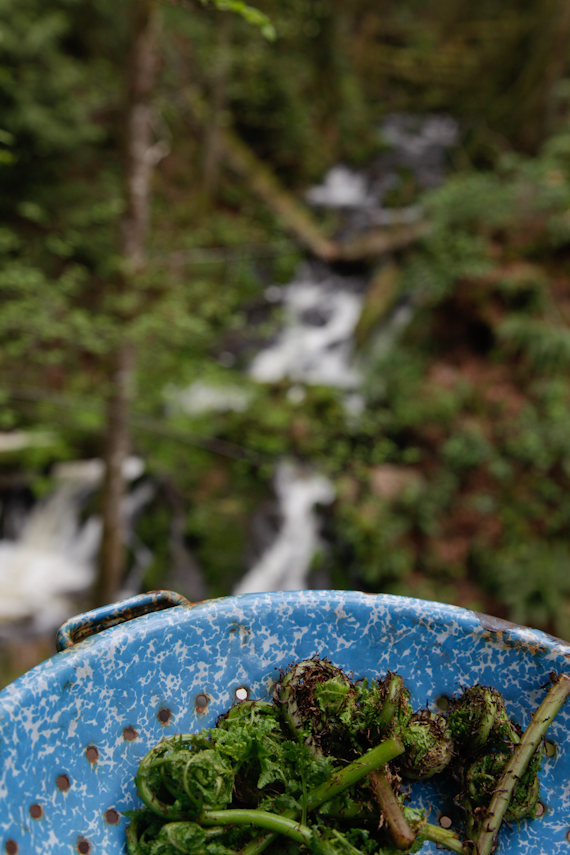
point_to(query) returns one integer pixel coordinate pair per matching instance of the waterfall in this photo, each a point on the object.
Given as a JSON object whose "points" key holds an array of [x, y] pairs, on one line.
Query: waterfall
{"points": [[315, 344], [286, 563], [53, 559], [322, 309]]}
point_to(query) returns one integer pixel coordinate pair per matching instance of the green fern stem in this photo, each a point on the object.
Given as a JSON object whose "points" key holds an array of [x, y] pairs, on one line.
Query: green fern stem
{"points": [[337, 783]]}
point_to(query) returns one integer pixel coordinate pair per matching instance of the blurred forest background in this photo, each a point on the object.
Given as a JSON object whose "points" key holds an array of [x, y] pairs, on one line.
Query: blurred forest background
{"points": [[127, 335]]}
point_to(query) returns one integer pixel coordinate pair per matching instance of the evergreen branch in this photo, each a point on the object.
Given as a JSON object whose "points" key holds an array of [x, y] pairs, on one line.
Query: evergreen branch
{"points": [[248, 13], [136, 421]]}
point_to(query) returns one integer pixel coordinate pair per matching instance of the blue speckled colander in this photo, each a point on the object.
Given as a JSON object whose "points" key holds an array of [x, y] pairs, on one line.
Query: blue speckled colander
{"points": [[73, 730]]}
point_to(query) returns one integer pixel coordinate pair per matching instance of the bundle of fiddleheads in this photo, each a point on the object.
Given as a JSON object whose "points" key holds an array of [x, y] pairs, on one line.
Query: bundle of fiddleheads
{"points": [[320, 769]]}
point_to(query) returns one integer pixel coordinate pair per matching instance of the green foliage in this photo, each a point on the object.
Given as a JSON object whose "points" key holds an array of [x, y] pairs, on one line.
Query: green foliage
{"points": [[545, 347], [248, 13], [379, 555], [531, 577], [466, 449], [467, 409], [482, 455], [479, 384], [497, 67], [284, 98], [218, 532]]}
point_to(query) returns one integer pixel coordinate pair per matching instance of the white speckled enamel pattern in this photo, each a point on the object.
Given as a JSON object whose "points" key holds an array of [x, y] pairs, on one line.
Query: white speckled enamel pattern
{"points": [[73, 729]]}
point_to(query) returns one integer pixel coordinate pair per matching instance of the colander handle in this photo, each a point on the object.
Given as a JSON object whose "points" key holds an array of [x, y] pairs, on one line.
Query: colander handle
{"points": [[80, 627]]}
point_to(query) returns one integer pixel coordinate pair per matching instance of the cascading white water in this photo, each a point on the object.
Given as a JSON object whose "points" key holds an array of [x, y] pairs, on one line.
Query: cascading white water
{"points": [[342, 188], [313, 348], [322, 309], [286, 563], [315, 344], [54, 557]]}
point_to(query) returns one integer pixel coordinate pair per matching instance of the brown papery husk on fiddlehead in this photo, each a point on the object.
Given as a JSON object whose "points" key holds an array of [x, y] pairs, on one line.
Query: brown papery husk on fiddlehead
{"points": [[315, 698]]}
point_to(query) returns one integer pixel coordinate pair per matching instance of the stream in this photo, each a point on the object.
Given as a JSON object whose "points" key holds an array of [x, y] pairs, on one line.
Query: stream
{"points": [[48, 556]]}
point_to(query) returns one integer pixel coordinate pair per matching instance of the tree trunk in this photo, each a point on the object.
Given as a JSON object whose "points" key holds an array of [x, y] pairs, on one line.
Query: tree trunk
{"points": [[213, 152], [112, 555], [138, 166]]}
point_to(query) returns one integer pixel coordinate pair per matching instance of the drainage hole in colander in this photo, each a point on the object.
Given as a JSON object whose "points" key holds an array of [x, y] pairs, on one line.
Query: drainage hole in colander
{"points": [[36, 811], [442, 702], [92, 754], [164, 715], [11, 847], [112, 816], [201, 702], [549, 749], [83, 846], [242, 693], [540, 809], [129, 733], [63, 783], [568, 836], [445, 821]]}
